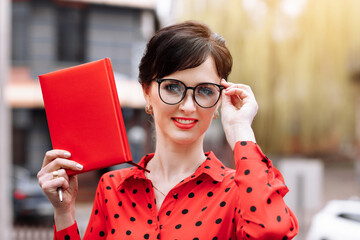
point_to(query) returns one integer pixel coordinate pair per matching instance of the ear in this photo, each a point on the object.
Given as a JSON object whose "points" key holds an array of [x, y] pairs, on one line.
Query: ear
{"points": [[146, 93]]}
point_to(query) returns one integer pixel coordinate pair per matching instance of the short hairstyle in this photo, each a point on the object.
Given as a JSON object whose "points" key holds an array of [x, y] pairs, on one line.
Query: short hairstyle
{"points": [[183, 46]]}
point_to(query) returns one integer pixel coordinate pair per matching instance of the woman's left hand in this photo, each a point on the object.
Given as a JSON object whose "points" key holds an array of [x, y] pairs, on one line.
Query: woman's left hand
{"points": [[238, 110]]}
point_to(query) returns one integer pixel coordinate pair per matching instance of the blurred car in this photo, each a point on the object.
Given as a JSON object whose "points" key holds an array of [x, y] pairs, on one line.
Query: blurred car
{"points": [[29, 200], [339, 220]]}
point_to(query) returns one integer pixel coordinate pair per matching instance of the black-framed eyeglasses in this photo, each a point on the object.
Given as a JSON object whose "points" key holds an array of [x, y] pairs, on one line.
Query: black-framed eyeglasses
{"points": [[173, 91]]}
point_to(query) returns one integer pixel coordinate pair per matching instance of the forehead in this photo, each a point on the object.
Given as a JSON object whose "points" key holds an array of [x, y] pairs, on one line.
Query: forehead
{"points": [[206, 72]]}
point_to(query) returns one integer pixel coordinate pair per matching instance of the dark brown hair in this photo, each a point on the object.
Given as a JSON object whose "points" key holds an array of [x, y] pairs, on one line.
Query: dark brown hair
{"points": [[183, 46]]}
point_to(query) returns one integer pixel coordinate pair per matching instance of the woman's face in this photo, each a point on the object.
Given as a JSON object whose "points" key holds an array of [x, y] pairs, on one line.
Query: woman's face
{"points": [[185, 122]]}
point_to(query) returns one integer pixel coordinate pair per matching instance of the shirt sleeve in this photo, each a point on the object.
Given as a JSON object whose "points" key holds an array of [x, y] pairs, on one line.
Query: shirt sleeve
{"points": [[96, 228], [262, 212], [71, 232]]}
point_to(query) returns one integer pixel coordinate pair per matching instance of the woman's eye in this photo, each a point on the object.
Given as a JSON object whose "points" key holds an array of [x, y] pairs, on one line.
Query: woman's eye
{"points": [[173, 88], [206, 91]]}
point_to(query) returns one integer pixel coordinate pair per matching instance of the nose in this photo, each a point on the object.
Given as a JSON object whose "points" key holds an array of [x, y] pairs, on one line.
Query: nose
{"points": [[188, 105]]}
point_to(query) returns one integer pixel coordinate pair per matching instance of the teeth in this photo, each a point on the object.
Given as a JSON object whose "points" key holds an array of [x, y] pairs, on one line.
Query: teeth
{"points": [[184, 121]]}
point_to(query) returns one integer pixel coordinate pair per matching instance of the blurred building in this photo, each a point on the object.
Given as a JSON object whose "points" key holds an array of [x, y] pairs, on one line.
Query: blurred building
{"points": [[50, 35]]}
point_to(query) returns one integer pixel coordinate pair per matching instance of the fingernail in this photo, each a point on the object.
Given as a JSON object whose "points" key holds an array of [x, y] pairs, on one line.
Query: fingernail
{"points": [[79, 166], [67, 154]]}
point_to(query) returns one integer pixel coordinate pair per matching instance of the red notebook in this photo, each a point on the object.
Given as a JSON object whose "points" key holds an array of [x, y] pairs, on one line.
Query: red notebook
{"points": [[84, 115]]}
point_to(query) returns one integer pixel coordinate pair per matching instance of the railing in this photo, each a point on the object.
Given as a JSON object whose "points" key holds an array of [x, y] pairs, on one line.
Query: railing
{"points": [[32, 233]]}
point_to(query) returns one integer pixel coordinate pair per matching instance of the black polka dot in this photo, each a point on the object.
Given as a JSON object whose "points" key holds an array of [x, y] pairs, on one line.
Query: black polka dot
{"points": [[111, 175], [158, 236], [133, 204], [268, 201], [120, 204], [198, 223], [199, 182], [262, 225], [178, 226], [191, 195], [67, 237], [147, 190], [175, 196], [215, 238], [122, 190], [146, 236], [149, 206], [185, 211], [149, 221], [204, 209], [243, 158], [116, 215], [228, 189], [269, 184], [101, 233], [243, 143], [132, 219], [96, 212], [106, 200], [210, 194], [196, 238], [108, 188], [278, 218], [222, 204], [128, 232], [135, 191], [247, 172], [218, 221], [286, 210], [207, 167], [112, 231], [253, 208], [168, 213], [249, 190], [285, 238]]}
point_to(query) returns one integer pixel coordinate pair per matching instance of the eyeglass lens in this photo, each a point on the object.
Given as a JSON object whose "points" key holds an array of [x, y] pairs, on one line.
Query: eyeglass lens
{"points": [[173, 91]]}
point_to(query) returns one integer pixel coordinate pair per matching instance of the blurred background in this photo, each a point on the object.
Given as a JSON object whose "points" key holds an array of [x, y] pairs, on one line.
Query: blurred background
{"points": [[301, 58]]}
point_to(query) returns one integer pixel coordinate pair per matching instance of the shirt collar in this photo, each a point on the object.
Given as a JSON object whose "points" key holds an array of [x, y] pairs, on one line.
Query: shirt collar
{"points": [[212, 167]]}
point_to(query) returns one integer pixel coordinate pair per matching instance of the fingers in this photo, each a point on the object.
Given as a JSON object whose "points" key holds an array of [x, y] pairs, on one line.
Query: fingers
{"points": [[53, 174], [237, 94], [53, 154], [240, 90], [57, 159]]}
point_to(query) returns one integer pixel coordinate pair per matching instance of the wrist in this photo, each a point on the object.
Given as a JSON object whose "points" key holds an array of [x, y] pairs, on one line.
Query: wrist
{"points": [[64, 219], [239, 133]]}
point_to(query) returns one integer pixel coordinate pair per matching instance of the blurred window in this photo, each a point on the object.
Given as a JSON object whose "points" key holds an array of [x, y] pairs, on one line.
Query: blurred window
{"points": [[71, 30]]}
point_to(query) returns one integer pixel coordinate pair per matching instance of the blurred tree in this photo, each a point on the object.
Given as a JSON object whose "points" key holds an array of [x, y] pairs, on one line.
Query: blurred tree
{"points": [[295, 55]]}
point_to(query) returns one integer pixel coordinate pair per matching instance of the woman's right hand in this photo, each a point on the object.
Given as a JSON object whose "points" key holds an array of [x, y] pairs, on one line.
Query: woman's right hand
{"points": [[56, 161]]}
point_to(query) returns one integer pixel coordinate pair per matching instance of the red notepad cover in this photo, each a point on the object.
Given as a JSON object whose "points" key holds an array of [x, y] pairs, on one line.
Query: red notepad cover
{"points": [[84, 115]]}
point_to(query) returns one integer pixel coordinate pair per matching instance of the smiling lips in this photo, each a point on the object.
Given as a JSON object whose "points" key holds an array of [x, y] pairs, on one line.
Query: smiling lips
{"points": [[185, 123]]}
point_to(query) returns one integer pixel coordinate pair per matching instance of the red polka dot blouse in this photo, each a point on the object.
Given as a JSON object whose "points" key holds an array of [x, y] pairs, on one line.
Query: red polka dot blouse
{"points": [[214, 203]]}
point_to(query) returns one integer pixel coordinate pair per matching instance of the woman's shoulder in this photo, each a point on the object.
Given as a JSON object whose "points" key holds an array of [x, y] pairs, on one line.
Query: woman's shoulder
{"points": [[115, 177]]}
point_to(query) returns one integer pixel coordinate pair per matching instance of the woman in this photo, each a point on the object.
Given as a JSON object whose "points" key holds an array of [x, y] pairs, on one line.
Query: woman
{"points": [[187, 194]]}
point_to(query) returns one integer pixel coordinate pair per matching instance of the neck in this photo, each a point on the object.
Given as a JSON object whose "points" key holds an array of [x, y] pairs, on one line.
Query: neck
{"points": [[174, 162]]}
